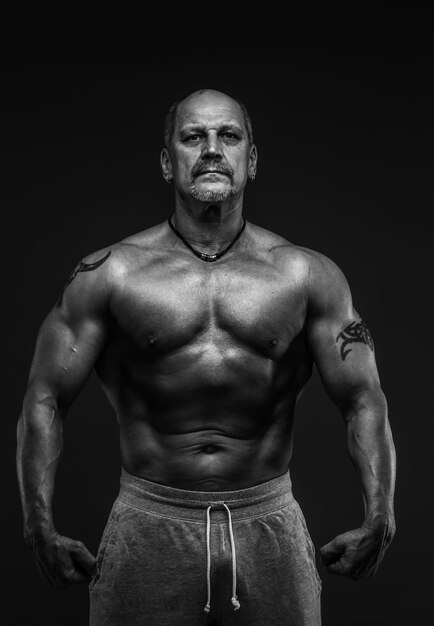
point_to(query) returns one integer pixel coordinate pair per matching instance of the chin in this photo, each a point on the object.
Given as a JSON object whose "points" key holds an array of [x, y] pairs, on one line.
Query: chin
{"points": [[216, 194]]}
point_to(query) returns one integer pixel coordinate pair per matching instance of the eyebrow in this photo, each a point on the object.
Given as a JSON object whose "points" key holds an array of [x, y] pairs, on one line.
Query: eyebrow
{"points": [[201, 127]]}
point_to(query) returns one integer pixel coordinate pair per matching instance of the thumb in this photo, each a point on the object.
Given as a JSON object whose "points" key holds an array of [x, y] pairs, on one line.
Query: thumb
{"points": [[83, 558], [332, 551]]}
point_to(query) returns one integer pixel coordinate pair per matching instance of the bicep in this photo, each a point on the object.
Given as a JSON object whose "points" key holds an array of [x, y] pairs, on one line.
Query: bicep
{"points": [[340, 342], [343, 351], [65, 354]]}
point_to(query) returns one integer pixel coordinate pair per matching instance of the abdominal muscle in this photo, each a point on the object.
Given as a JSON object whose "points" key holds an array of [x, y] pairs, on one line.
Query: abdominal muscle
{"points": [[207, 459], [214, 417]]}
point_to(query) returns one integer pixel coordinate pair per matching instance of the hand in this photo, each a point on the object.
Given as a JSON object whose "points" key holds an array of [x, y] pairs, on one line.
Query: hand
{"points": [[62, 561], [357, 553]]}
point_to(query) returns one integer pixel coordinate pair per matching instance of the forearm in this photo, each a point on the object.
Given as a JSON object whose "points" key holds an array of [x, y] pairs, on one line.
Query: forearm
{"points": [[39, 447], [372, 452]]}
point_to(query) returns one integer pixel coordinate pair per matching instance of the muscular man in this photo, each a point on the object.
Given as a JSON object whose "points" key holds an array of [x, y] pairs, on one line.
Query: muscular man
{"points": [[203, 331]]}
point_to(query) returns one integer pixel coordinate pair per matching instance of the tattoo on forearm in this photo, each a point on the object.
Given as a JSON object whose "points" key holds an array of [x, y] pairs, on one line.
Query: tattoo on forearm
{"points": [[356, 332], [82, 267]]}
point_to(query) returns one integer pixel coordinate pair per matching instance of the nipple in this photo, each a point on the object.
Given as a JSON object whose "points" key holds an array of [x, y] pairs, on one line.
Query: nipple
{"points": [[273, 341]]}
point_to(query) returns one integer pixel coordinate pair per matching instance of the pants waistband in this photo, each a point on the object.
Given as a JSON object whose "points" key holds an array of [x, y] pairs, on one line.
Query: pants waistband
{"points": [[185, 504]]}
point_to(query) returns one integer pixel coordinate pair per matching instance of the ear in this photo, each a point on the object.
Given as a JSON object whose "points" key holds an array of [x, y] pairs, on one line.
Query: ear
{"points": [[166, 165], [253, 161]]}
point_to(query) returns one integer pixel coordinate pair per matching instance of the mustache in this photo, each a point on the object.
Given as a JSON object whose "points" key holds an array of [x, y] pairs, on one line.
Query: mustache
{"points": [[211, 166]]}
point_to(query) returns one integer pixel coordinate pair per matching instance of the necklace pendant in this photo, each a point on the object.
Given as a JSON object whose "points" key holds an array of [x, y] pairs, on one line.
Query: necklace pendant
{"points": [[208, 257]]}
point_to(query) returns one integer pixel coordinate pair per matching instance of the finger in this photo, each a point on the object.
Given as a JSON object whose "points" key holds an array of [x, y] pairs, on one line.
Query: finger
{"points": [[331, 552], [84, 559], [56, 573], [76, 577], [356, 569], [336, 568], [341, 568]]}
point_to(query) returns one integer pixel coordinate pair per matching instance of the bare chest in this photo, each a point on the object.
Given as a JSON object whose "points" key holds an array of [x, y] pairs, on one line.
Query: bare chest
{"points": [[254, 305]]}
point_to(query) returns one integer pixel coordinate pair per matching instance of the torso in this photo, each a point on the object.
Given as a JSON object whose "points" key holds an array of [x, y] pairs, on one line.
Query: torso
{"points": [[205, 361]]}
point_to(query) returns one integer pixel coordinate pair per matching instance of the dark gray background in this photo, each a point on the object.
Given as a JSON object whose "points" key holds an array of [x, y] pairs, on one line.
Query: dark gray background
{"points": [[342, 114]]}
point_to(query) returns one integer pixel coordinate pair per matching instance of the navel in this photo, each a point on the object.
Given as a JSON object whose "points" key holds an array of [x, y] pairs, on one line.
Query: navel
{"points": [[210, 449]]}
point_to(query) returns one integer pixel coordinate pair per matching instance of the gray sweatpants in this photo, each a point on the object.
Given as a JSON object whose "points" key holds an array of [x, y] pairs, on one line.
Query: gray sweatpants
{"points": [[187, 558]]}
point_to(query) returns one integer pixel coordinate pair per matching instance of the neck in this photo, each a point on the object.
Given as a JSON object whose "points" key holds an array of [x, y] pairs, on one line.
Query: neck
{"points": [[210, 226]]}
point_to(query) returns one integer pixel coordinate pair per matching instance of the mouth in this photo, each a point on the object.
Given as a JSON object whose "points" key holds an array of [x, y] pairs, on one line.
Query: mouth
{"points": [[212, 172]]}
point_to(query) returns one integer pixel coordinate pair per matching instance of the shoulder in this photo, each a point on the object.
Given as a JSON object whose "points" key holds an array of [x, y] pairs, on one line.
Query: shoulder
{"points": [[313, 265], [92, 280], [277, 250], [325, 283], [323, 271], [327, 286], [119, 259]]}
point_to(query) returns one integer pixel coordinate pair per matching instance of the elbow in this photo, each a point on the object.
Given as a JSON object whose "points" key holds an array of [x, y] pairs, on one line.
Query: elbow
{"points": [[40, 409], [369, 401]]}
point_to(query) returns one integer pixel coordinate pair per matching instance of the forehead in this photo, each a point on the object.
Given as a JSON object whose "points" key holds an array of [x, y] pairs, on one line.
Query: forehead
{"points": [[207, 109]]}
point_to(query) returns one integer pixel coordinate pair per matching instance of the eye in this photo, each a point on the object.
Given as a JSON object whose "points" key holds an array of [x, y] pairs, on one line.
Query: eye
{"points": [[191, 138], [230, 136]]}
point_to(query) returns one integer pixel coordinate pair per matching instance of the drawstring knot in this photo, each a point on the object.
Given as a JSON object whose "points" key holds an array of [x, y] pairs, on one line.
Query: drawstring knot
{"points": [[235, 602], [234, 599]]}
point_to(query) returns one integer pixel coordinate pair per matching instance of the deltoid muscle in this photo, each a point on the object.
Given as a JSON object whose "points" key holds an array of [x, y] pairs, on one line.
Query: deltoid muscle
{"points": [[81, 267], [356, 332]]}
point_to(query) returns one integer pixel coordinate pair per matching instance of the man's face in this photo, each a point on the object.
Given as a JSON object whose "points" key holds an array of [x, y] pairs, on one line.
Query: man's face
{"points": [[210, 154]]}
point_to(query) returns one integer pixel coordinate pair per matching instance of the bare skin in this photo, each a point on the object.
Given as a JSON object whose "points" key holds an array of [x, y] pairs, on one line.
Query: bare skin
{"points": [[203, 363]]}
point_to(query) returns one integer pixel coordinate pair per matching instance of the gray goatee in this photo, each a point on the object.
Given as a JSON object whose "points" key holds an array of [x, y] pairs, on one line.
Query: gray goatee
{"points": [[214, 195]]}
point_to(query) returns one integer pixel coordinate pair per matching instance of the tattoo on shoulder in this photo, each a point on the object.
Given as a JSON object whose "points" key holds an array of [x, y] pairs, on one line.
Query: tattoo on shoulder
{"points": [[356, 332], [82, 267]]}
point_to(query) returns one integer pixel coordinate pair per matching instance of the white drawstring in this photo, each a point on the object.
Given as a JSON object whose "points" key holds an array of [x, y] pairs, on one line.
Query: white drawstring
{"points": [[208, 561], [234, 598]]}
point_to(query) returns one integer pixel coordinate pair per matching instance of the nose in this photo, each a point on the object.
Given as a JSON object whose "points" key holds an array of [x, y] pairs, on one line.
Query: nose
{"points": [[212, 148]]}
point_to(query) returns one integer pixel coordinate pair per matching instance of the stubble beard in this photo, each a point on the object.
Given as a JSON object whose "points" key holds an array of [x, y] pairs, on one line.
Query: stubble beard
{"points": [[212, 195]]}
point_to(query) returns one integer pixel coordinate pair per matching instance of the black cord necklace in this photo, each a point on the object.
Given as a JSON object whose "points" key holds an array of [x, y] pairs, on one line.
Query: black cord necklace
{"points": [[207, 257]]}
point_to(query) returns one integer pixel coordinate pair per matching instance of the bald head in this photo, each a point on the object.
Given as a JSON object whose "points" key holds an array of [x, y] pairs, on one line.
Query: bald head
{"points": [[203, 95]]}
